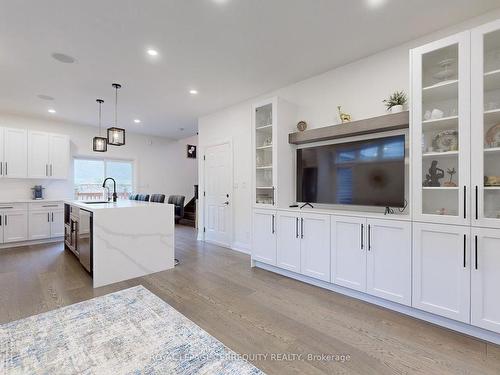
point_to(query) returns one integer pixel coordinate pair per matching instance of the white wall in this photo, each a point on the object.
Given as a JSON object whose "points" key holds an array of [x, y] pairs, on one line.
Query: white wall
{"points": [[359, 87], [160, 164]]}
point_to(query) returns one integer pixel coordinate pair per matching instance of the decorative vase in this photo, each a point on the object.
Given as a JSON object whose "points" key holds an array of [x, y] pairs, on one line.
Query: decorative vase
{"points": [[396, 109]]}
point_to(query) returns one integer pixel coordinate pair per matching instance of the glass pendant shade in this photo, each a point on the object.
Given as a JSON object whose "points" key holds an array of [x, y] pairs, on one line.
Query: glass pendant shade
{"points": [[100, 144], [116, 136]]}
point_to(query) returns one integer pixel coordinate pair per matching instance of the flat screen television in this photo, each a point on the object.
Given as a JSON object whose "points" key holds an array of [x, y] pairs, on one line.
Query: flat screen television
{"points": [[366, 173]]}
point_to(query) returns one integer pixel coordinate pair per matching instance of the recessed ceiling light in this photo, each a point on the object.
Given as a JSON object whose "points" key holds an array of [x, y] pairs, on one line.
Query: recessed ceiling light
{"points": [[45, 97], [51, 110], [152, 52], [61, 57], [375, 3], [193, 92], [137, 121]]}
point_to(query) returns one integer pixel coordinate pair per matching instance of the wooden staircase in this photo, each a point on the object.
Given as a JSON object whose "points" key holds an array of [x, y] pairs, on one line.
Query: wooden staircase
{"points": [[189, 218]]}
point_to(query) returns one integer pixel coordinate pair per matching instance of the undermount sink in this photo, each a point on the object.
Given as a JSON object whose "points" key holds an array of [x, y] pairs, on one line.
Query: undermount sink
{"points": [[98, 202]]}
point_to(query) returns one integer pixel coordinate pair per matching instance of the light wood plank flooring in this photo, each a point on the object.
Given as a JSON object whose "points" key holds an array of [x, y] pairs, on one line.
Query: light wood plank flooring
{"points": [[255, 311]]}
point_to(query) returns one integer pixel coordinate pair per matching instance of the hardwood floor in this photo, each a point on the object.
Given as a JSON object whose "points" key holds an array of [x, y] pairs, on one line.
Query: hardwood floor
{"points": [[255, 311]]}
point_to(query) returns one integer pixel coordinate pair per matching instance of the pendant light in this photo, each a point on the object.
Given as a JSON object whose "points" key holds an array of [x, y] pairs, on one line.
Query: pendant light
{"points": [[116, 135], [99, 144]]}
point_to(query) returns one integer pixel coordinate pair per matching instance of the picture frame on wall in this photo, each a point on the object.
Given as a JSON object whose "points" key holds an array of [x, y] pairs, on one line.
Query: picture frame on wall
{"points": [[191, 151]]}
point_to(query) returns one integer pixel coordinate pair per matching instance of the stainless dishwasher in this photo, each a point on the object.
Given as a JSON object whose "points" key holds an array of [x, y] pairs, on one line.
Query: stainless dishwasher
{"points": [[84, 239]]}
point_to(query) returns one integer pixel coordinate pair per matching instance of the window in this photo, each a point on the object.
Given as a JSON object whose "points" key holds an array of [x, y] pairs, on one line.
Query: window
{"points": [[90, 173]]}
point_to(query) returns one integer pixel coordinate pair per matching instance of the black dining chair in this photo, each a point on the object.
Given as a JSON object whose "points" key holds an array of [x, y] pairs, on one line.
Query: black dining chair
{"points": [[178, 202], [158, 198], [132, 197], [143, 197]]}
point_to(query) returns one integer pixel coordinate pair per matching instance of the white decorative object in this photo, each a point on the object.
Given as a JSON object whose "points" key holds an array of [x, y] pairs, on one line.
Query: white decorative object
{"points": [[427, 115], [437, 114], [397, 109]]}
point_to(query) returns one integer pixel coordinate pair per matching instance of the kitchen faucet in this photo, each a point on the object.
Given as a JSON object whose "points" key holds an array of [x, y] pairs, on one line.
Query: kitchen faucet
{"points": [[114, 187]]}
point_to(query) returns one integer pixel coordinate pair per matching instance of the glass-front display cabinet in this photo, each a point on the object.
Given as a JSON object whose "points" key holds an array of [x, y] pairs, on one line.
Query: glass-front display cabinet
{"points": [[485, 125], [441, 130], [264, 136]]}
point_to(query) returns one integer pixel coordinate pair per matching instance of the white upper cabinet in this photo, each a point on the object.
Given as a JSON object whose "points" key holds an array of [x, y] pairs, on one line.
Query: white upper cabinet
{"points": [[13, 159], [348, 263], [485, 279], [48, 155], [38, 154], [485, 99], [389, 260], [273, 174], [441, 270], [440, 130]]}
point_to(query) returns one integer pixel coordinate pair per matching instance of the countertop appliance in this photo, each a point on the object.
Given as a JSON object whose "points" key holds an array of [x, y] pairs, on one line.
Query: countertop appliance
{"points": [[37, 192]]}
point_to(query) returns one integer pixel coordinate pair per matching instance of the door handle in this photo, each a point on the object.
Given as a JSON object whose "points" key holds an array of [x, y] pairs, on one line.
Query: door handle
{"points": [[477, 209], [5, 220], [296, 227], [46, 170], [52, 217], [465, 250], [369, 238], [48, 217], [301, 227], [6, 172], [272, 225], [465, 202], [475, 240], [362, 239], [1, 168]]}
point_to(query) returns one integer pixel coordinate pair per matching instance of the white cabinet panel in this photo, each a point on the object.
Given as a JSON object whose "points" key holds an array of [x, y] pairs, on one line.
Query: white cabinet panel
{"points": [[315, 246], [348, 252], [57, 224], [389, 260], [288, 240], [59, 156], [485, 280], [15, 226], [1, 153], [38, 154], [264, 236], [441, 270], [39, 225], [15, 153]]}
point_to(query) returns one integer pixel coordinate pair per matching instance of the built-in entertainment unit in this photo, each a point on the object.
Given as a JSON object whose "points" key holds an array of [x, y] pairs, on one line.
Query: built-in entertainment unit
{"points": [[366, 173]]}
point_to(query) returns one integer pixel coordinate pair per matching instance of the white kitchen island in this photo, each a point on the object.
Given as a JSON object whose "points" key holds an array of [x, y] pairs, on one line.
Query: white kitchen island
{"points": [[122, 240]]}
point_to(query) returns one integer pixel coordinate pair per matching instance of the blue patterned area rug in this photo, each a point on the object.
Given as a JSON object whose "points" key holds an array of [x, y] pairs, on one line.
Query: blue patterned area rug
{"points": [[128, 332]]}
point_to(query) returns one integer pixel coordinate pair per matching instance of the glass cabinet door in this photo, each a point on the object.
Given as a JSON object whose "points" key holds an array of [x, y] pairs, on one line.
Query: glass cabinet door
{"points": [[264, 146], [485, 89], [440, 130]]}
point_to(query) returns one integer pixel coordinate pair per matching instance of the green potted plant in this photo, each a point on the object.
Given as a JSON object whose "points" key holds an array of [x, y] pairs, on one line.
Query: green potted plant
{"points": [[396, 102]]}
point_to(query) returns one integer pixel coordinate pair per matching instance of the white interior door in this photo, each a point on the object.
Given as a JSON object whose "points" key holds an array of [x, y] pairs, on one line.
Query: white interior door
{"points": [[315, 246], [288, 237], [441, 270], [485, 280], [389, 260], [38, 154], [348, 252], [16, 153], [218, 193], [59, 156]]}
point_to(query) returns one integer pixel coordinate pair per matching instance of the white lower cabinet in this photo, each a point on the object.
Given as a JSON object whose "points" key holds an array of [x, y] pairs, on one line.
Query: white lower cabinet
{"points": [[57, 224], [348, 263], [39, 225], [288, 233], [264, 236], [15, 226], [389, 260], [441, 270], [485, 279], [304, 243]]}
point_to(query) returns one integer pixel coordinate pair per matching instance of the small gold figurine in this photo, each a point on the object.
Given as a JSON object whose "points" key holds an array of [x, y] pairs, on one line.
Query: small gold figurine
{"points": [[344, 117]]}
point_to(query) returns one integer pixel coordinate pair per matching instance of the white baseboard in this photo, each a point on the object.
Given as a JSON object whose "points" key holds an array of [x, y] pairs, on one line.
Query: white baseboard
{"points": [[464, 328], [29, 243], [241, 247]]}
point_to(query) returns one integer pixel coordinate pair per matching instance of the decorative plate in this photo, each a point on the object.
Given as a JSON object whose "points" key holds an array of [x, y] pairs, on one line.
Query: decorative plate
{"points": [[446, 140], [301, 126], [492, 138]]}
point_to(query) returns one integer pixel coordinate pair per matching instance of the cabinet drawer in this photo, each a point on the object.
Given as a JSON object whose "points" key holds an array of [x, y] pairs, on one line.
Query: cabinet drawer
{"points": [[46, 206], [13, 206]]}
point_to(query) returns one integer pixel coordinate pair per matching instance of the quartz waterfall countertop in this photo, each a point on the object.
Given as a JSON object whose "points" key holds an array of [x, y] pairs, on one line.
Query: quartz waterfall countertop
{"points": [[93, 206]]}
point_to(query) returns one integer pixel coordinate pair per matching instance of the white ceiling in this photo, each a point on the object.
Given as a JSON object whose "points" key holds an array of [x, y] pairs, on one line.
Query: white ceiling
{"points": [[229, 50]]}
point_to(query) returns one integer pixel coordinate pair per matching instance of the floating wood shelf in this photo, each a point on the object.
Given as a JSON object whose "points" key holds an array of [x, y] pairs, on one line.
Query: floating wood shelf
{"points": [[373, 125]]}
